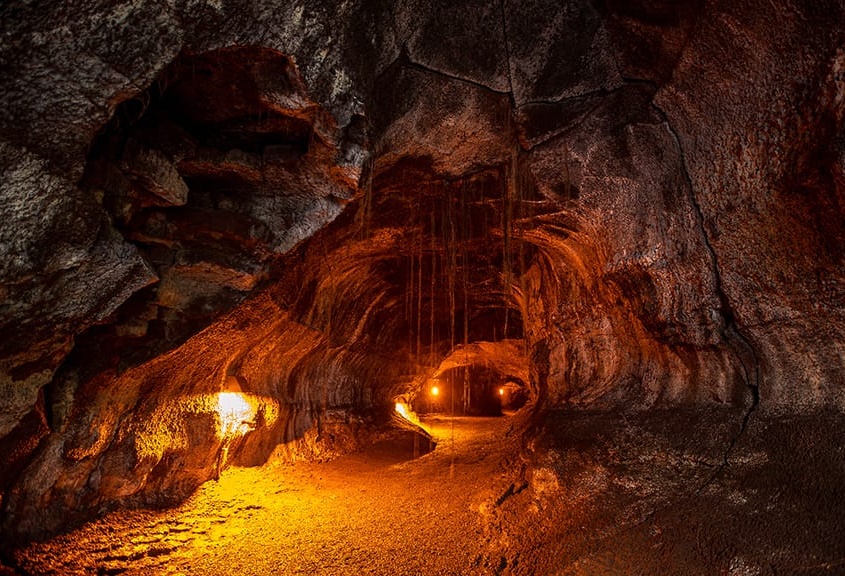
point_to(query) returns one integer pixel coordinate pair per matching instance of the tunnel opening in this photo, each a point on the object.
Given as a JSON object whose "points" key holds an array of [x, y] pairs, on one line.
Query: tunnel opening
{"points": [[224, 175], [229, 181], [231, 184], [483, 378]]}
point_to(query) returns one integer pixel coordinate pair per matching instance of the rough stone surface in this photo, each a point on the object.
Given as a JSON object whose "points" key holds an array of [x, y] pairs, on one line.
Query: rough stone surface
{"points": [[323, 199], [465, 41], [557, 51], [769, 181], [457, 127], [124, 434], [653, 493], [605, 493], [639, 274]]}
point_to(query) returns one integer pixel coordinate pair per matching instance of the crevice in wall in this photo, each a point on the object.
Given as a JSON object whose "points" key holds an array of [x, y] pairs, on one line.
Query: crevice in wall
{"points": [[405, 59], [738, 342], [507, 52]]}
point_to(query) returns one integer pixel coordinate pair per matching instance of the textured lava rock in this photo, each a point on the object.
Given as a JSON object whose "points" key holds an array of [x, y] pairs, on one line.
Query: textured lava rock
{"points": [[457, 127], [557, 51], [643, 498], [639, 289], [768, 178], [648, 195]]}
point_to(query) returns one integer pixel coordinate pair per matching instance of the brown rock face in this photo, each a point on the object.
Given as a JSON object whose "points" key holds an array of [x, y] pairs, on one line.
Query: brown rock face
{"points": [[620, 207]]}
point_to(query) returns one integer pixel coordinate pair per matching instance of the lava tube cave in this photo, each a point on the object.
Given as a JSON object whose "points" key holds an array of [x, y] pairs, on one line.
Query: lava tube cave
{"points": [[446, 288]]}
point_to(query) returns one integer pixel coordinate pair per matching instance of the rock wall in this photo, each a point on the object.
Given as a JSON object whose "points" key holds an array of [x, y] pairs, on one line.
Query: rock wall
{"points": [[649, 195], [759, 116]]}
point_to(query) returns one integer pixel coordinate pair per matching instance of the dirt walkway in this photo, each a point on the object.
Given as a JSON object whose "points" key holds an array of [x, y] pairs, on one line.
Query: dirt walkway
{"points": [[592, 494], [374, 512]]}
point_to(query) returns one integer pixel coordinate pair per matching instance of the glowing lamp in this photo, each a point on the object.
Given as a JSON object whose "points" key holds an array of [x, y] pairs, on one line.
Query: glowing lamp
{"points": [[501, 391], [406, 414], [435, 391], [235, 411]]}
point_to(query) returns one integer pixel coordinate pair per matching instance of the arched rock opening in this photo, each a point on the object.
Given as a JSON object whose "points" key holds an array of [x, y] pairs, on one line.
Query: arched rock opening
{"points": [[481, 378], [476, 224]]}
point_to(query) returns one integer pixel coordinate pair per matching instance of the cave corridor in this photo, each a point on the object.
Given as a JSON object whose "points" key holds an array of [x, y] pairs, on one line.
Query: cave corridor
{"points": [[475, 287]]}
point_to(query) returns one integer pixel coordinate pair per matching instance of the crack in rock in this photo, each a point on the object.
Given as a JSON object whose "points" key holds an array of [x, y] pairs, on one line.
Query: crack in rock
{"points": [[739, 344]]}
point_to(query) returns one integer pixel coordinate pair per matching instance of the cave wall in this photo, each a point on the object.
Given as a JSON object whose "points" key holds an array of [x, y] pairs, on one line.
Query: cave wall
{"points": [[759, 116], [666, 183], [66, 70], [634, 315]]}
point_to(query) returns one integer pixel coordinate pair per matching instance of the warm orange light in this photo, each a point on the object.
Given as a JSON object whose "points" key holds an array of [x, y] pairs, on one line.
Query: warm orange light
{"points": [[236, 414], [501, 391], [408, 415], [435, 391]]}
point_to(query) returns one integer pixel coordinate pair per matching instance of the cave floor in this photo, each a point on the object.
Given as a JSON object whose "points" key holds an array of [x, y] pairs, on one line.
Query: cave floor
{"points": [[675, 492], [374, 512]]}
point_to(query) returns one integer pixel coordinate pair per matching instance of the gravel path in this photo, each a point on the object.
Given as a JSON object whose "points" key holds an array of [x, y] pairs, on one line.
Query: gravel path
{"points": [[374, 512]]}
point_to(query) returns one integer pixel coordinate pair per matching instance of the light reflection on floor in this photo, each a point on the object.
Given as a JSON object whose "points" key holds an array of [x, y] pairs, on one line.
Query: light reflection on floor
{"points": [[376, 512]]}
